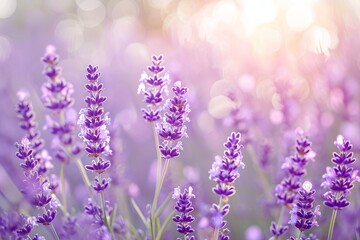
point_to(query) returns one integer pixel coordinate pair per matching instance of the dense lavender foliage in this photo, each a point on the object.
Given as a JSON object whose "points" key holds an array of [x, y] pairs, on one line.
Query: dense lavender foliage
{"points": [[119, 148]]}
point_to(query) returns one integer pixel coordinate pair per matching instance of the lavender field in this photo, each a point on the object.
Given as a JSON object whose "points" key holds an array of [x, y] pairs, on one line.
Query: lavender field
{"points": [[179, 119]]}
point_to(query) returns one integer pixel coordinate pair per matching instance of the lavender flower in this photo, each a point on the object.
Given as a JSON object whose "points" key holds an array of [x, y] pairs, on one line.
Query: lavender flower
{"points": [[56, 92], [277, 229], [340, 178], [93, 120], [94, 123], [286, 191], [153, 88], [57, 96], [36, 189], [303, 216], [184, 208], [26, 116], [173, 128], [224, 172], [28, 123]]}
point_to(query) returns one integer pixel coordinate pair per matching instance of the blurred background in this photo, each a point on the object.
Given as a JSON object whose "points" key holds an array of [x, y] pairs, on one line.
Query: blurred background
{"points": [[261, 67]]}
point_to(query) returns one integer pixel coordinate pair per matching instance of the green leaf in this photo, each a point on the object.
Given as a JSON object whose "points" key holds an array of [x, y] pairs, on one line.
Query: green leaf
{"points": [[164, 226], [137, 209]]}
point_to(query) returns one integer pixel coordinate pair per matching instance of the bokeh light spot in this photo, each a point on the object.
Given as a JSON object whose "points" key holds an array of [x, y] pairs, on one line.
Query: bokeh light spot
{"points": [[5, 48], [299, 17], [70, 32], [7, 8], [220, 106]]}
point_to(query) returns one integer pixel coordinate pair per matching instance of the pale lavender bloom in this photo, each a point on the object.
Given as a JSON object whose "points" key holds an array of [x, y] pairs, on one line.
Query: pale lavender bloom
{"points": [[57, 97], [154, 88], [172, 127]]}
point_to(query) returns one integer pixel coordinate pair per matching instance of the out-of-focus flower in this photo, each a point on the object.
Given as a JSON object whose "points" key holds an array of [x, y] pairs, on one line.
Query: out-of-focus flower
{"points": [[340, 179], [57, 96], [287, 190]]}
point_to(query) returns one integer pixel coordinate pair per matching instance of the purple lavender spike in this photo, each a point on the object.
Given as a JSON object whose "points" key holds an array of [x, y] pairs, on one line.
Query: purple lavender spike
{"points": [[340, 178], [303, 216], [184, 208], [173, 128], [153, 88]]}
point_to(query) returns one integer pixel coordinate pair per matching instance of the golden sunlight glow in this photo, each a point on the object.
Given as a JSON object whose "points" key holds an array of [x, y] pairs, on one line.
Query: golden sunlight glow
{"points": [[258, 12], [319, 40], [299, 17]]}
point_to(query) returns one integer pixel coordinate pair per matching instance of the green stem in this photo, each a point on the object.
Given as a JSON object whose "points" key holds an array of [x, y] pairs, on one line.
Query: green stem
{"points": [[62, 185], [104, 212], [85, 178], [332, 224], [299, 237], [158, 172]]}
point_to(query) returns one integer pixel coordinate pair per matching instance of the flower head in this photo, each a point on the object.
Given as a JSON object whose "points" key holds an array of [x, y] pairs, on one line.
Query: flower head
{"points": [[340, 178], [153, 88], [303, 216], [184, 208]]}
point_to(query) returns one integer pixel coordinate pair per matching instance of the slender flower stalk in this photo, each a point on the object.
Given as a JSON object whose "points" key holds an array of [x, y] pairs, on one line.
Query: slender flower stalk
{"points": [[184, 208], [339, 179], [287, 191], [303, 214], [224, 172], [94, 124]]}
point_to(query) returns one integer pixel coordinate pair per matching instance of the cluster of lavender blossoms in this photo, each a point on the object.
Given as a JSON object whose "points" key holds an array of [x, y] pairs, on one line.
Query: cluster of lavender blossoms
{"points": [[287, 191], [28, 123], [303, 214], [184, 208], [173, 128], [224, 172], [94, 132], [154, 88], [36, 188], [57, 97], [340, 178]]}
